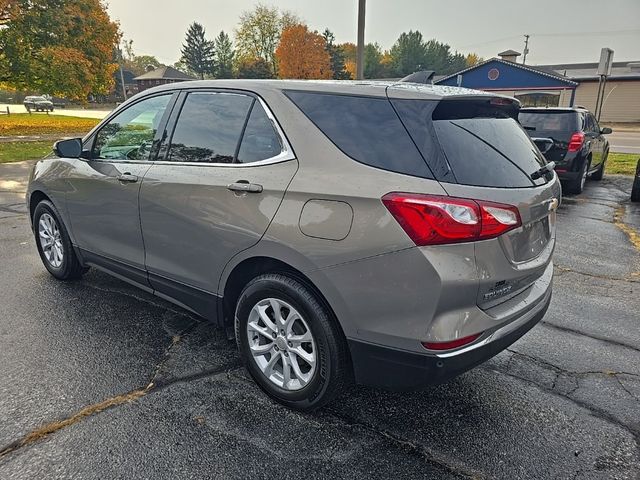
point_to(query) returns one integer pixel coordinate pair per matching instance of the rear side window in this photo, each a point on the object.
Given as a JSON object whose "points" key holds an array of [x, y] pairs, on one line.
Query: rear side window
{"points": [[367, 129], [260, 140], [209, 127], [535, 122]]}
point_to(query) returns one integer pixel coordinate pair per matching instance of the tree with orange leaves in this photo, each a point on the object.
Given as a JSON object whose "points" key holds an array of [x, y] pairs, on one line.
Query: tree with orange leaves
{"points": [[60, 47], [301, 53]]}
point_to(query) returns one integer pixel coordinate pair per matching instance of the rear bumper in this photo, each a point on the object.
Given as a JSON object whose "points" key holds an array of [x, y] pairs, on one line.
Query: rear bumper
{"points": [[394, 369]]}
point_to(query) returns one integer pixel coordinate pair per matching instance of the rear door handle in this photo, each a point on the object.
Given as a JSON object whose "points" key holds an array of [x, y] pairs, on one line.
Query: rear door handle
{"points": [[244, 186], [127, 178]]}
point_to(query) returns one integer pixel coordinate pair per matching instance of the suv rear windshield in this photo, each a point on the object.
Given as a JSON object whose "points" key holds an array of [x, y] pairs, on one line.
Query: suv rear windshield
{"points": [[482, 144], [548, 121]]}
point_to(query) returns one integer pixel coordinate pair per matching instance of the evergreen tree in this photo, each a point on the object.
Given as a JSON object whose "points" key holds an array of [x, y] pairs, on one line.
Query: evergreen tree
{"points": [[223, 56], [197, 51], [409, 53], [372, 60], [337, 56]]}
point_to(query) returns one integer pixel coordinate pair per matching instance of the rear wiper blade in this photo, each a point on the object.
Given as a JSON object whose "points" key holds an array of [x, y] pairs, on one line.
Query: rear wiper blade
{"points": [[527, 127], [544, 171]]}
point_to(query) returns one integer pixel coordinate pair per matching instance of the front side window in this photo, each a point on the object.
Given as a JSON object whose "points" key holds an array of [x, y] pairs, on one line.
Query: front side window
{"points": [[130, 134], [209, 127]]}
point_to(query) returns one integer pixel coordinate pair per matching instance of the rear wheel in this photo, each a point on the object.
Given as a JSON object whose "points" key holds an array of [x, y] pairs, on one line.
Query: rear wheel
{"points": [[576, 185], [635, 190], [54, 245], [290, 343], [598, 174]]}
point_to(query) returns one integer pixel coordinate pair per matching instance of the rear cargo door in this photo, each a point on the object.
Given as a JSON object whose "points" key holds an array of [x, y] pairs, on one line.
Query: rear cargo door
{"points": [[554, 125], [490, 157]]}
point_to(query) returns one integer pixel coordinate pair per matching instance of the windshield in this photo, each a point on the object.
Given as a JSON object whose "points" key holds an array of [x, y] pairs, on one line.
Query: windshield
{"points": [[489, 152], [549, 121]]}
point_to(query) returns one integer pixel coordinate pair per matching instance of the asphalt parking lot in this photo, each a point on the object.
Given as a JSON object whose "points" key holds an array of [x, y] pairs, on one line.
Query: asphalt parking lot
{"points": [[100, 380]]}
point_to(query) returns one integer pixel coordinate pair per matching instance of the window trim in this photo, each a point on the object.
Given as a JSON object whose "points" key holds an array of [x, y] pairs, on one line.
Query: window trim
{"points": [[285, 154]]}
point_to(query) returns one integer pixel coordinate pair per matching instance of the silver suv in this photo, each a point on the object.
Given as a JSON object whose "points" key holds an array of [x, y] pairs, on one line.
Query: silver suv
{"points": [[392, 234]]}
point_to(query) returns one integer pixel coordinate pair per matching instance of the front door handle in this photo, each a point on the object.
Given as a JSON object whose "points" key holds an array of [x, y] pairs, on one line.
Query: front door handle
{"points": [[244, 186], [127, 178]]}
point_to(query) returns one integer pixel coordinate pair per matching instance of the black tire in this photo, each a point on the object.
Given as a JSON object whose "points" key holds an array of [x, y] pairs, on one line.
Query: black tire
{"points": [[333, 365], [69, 267], [576, 186], [635, 189], [599, 174]]}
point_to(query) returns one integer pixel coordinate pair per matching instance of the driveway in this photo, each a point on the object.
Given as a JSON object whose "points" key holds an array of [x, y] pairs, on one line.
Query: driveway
{"points": [[100, 380]]}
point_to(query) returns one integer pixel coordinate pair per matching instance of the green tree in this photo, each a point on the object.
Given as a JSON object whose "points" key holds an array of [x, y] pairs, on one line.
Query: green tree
{"points": [[223, 56], [372, 60], [457, 62], [197, 51], [258, 33], [71, 40], [336, 55], [254, 68], [138, 64], [180, 65], [409, 53]]}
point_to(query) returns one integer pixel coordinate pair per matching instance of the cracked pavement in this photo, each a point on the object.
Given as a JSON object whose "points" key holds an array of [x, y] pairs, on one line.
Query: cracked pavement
{"points": [[101, 380]]}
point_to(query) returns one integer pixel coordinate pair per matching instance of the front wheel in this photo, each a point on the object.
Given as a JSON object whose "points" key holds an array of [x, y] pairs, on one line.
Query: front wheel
{"points": [[290, 343], [54, 244]]}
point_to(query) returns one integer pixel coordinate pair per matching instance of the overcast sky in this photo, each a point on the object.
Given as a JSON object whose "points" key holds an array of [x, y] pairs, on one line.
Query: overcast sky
{"points": [[562, 31]]}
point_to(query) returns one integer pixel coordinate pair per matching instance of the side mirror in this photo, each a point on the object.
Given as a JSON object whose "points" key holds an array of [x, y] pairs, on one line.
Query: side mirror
{"points": [[606, 130], [71, 148]]}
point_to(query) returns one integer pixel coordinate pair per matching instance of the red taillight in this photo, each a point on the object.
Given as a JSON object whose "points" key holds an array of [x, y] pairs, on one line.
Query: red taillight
{"points": [[437, 220], [451, 344], [576, 142]]}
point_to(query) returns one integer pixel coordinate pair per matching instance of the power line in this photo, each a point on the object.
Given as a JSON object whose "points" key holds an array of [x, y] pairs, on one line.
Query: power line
{"points": [[570, 34]]}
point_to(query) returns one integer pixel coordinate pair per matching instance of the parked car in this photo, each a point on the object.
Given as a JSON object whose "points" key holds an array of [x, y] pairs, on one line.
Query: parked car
{"points": [[572, 138], [635, 189], [38, 103], [393, 234]]}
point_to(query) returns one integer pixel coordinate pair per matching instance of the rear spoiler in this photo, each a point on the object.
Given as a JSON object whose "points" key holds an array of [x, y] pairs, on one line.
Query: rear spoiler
{"points": [[451, 108]]}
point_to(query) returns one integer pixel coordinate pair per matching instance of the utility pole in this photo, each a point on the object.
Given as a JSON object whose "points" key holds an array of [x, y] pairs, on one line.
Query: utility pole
{"points": [[360, 47], [526, 49], [120, 60]]}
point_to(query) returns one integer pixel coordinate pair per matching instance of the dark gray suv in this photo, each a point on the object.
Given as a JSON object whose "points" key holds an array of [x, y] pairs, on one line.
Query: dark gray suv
{"points": [[392, 234]]}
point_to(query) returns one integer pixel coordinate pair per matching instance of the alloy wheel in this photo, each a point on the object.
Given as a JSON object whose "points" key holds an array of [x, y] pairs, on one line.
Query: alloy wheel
{"points": [[281, 344], [50, 240]]}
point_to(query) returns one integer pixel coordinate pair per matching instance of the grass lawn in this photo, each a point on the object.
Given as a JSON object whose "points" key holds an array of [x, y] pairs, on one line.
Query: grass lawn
{"points": [[40, 123], [19, 151], [624, 163]]}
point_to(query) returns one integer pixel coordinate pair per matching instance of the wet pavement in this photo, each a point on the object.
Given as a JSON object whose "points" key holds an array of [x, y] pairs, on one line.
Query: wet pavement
{"points": [[101, 380]]}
